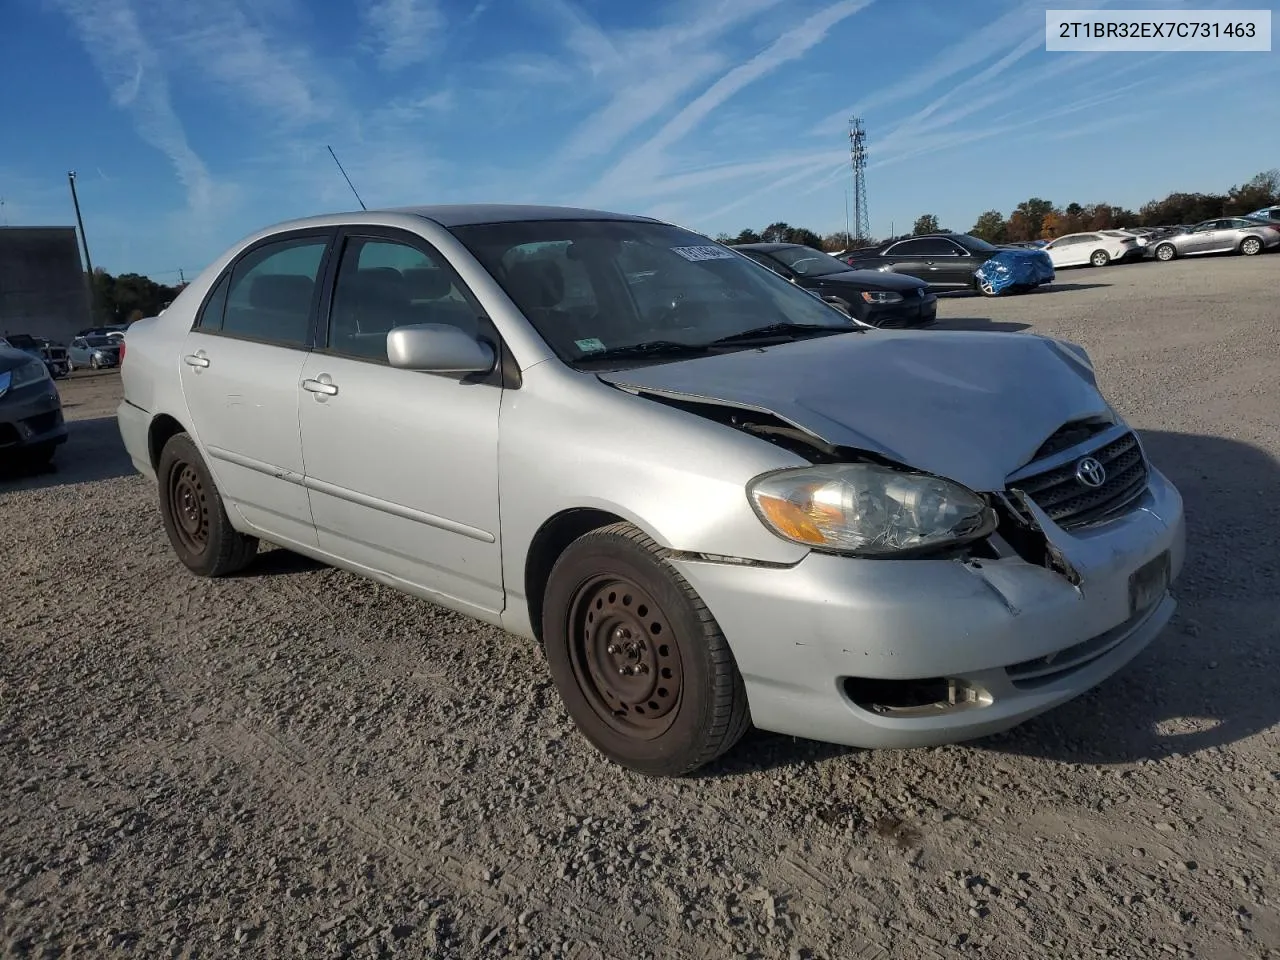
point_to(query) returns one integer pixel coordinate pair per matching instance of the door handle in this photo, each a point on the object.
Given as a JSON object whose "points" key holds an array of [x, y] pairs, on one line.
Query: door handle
{"points": [[321, 387], [195, 360]]}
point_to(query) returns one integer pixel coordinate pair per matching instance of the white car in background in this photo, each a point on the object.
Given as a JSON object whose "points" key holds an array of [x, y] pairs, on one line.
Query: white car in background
{"points": [[1092, 249], [1140, 239]]}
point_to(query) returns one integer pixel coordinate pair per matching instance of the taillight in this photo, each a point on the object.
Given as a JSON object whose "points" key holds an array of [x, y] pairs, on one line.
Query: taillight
{"points": [[122, 351]]}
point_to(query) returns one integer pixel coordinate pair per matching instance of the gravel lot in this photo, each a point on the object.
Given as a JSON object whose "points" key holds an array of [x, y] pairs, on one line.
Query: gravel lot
{"points": [[299, 762]]}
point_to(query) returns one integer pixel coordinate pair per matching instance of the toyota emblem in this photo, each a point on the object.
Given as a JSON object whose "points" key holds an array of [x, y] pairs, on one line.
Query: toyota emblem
{"points": [[1090, 472]]}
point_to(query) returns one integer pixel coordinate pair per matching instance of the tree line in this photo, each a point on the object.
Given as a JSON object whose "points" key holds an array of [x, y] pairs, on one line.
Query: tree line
{"points": [[1040, 219], [128, 297]]}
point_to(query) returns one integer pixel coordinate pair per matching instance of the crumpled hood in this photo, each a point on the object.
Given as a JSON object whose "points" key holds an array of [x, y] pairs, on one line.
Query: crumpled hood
{"points": [[970, 406]]}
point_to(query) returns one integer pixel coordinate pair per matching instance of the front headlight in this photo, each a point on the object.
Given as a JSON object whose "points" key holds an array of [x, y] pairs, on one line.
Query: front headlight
{"points": [[868, 510], [881, 296]]}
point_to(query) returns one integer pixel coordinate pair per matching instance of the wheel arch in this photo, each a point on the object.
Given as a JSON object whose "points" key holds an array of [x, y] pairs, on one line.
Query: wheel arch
{"points": [[548, 543], [163, 427]]}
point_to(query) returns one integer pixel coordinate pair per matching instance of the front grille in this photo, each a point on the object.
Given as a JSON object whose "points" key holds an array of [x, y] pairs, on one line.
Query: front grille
{"points": [[1069, 435], [1069, 503]]}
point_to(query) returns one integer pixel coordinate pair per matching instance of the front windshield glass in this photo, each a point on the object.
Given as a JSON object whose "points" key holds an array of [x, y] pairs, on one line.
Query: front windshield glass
{"points": [[589, 286], [808, 262]]}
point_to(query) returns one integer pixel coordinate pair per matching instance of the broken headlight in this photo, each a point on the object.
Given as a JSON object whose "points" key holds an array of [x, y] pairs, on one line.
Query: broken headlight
{"points": [[869, 510]]}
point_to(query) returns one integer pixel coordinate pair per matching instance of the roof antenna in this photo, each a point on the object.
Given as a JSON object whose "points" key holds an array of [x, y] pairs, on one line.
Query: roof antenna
{"points": [[345, 177]]}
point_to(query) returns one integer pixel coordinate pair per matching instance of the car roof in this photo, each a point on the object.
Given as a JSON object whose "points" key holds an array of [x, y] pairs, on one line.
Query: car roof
{"points": [[462, 215], [765, 247]]}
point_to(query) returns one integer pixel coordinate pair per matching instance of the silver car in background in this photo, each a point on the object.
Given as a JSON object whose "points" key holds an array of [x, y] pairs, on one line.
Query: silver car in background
{"points": [[714, 499], [1227, 235]]}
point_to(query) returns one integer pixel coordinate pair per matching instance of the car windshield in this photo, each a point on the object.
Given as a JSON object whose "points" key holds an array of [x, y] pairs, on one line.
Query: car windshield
{"points": [[808, 262], [596, 286]]}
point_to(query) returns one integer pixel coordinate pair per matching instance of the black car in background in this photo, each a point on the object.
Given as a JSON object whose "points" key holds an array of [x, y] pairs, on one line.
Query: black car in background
{"points": [[945, 261], [879, 299], [31, 424]]}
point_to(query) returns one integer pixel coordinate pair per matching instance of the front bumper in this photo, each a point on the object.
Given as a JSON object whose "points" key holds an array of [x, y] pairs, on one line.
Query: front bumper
{"points": [[799, 634], [31, 416], [913, 311]]}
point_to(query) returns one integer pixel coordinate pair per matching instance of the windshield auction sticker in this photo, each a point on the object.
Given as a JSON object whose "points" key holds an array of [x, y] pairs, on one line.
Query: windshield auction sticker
{"points": [[704, 253], [1151, 31]]}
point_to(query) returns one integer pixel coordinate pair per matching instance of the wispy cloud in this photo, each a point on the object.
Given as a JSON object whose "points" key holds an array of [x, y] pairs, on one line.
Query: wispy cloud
{"points": [[406, 31], [640, 169], [978, 47], [110, 32], [644, 71], [265, 70]]}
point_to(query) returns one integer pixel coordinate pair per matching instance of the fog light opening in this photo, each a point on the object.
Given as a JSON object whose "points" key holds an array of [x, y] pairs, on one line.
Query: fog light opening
{"points": [[915, 698]]}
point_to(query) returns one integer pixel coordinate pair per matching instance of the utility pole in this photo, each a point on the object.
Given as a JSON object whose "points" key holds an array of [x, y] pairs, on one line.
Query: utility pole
{"points": [[84, 241]]}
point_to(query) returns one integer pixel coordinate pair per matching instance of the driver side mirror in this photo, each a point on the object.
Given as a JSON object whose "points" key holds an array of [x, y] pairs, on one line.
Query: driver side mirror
{"points": [[438, 348]]}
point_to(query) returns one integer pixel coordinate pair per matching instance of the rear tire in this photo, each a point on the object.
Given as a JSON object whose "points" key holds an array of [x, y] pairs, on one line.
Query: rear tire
{"points": [[1099, 258], [194, 516], [1166, 252], [640, 663], [1250, 246]]}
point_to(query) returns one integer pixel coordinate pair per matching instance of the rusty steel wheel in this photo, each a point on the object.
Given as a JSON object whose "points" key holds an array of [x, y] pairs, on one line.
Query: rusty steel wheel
{"points": [[194, 517], [624, 657], [639, 661]]}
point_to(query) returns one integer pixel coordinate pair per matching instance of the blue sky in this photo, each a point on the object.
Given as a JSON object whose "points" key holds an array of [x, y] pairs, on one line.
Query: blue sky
{"points": [[193, 122]]}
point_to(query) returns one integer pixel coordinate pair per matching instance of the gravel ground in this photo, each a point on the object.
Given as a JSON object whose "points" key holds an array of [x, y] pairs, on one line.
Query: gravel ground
{"points": [[300, 762]]}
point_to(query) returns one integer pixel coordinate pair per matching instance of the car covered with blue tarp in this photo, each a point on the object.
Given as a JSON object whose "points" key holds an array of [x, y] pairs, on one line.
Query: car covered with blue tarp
{"points": [[1015, 269]]}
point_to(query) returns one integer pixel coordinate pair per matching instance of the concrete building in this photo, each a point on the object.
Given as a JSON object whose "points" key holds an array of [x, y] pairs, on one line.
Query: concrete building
{"points": [[42, 283]]}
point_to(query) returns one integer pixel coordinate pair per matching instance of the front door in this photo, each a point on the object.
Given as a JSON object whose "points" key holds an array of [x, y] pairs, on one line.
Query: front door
{"points": [[241, 364], [402, 466]]}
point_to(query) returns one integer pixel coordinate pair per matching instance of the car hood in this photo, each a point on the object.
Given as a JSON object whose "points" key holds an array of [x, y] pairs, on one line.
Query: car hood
{"points": [[872, 280], [969, 406], [11, 358]]}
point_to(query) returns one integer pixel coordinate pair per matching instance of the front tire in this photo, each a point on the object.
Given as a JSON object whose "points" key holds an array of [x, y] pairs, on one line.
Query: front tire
{"points": [[194, 516], [38, 457], [985, 288], [1250, 246], [1100, 258], [640, 663], [1165, 252]]}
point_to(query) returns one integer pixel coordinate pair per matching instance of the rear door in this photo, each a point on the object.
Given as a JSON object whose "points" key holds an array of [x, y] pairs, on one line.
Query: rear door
{"points": [[908, 257], [241, 366]]}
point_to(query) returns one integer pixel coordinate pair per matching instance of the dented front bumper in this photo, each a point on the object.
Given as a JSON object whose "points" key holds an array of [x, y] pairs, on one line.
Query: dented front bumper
{"points": [[1009, 638]]}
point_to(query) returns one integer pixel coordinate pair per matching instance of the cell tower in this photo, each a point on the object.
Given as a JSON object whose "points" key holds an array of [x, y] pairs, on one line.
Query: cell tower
{"points": [[858, 160]]}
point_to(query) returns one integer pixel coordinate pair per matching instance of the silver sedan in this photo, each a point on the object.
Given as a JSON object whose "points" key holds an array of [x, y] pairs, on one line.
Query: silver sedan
{"points": [[1228, 235], [712, 498]]}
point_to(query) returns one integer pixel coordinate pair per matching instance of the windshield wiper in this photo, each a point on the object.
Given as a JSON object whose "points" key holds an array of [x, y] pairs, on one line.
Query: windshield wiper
{"points": [[772, 330], [648, 348]]}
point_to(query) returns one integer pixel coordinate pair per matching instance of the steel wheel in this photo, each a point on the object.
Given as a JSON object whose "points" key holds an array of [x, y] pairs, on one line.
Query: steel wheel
{"points": [[1251, 246], [1165, 252], [625, 657], [190, 508]]}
